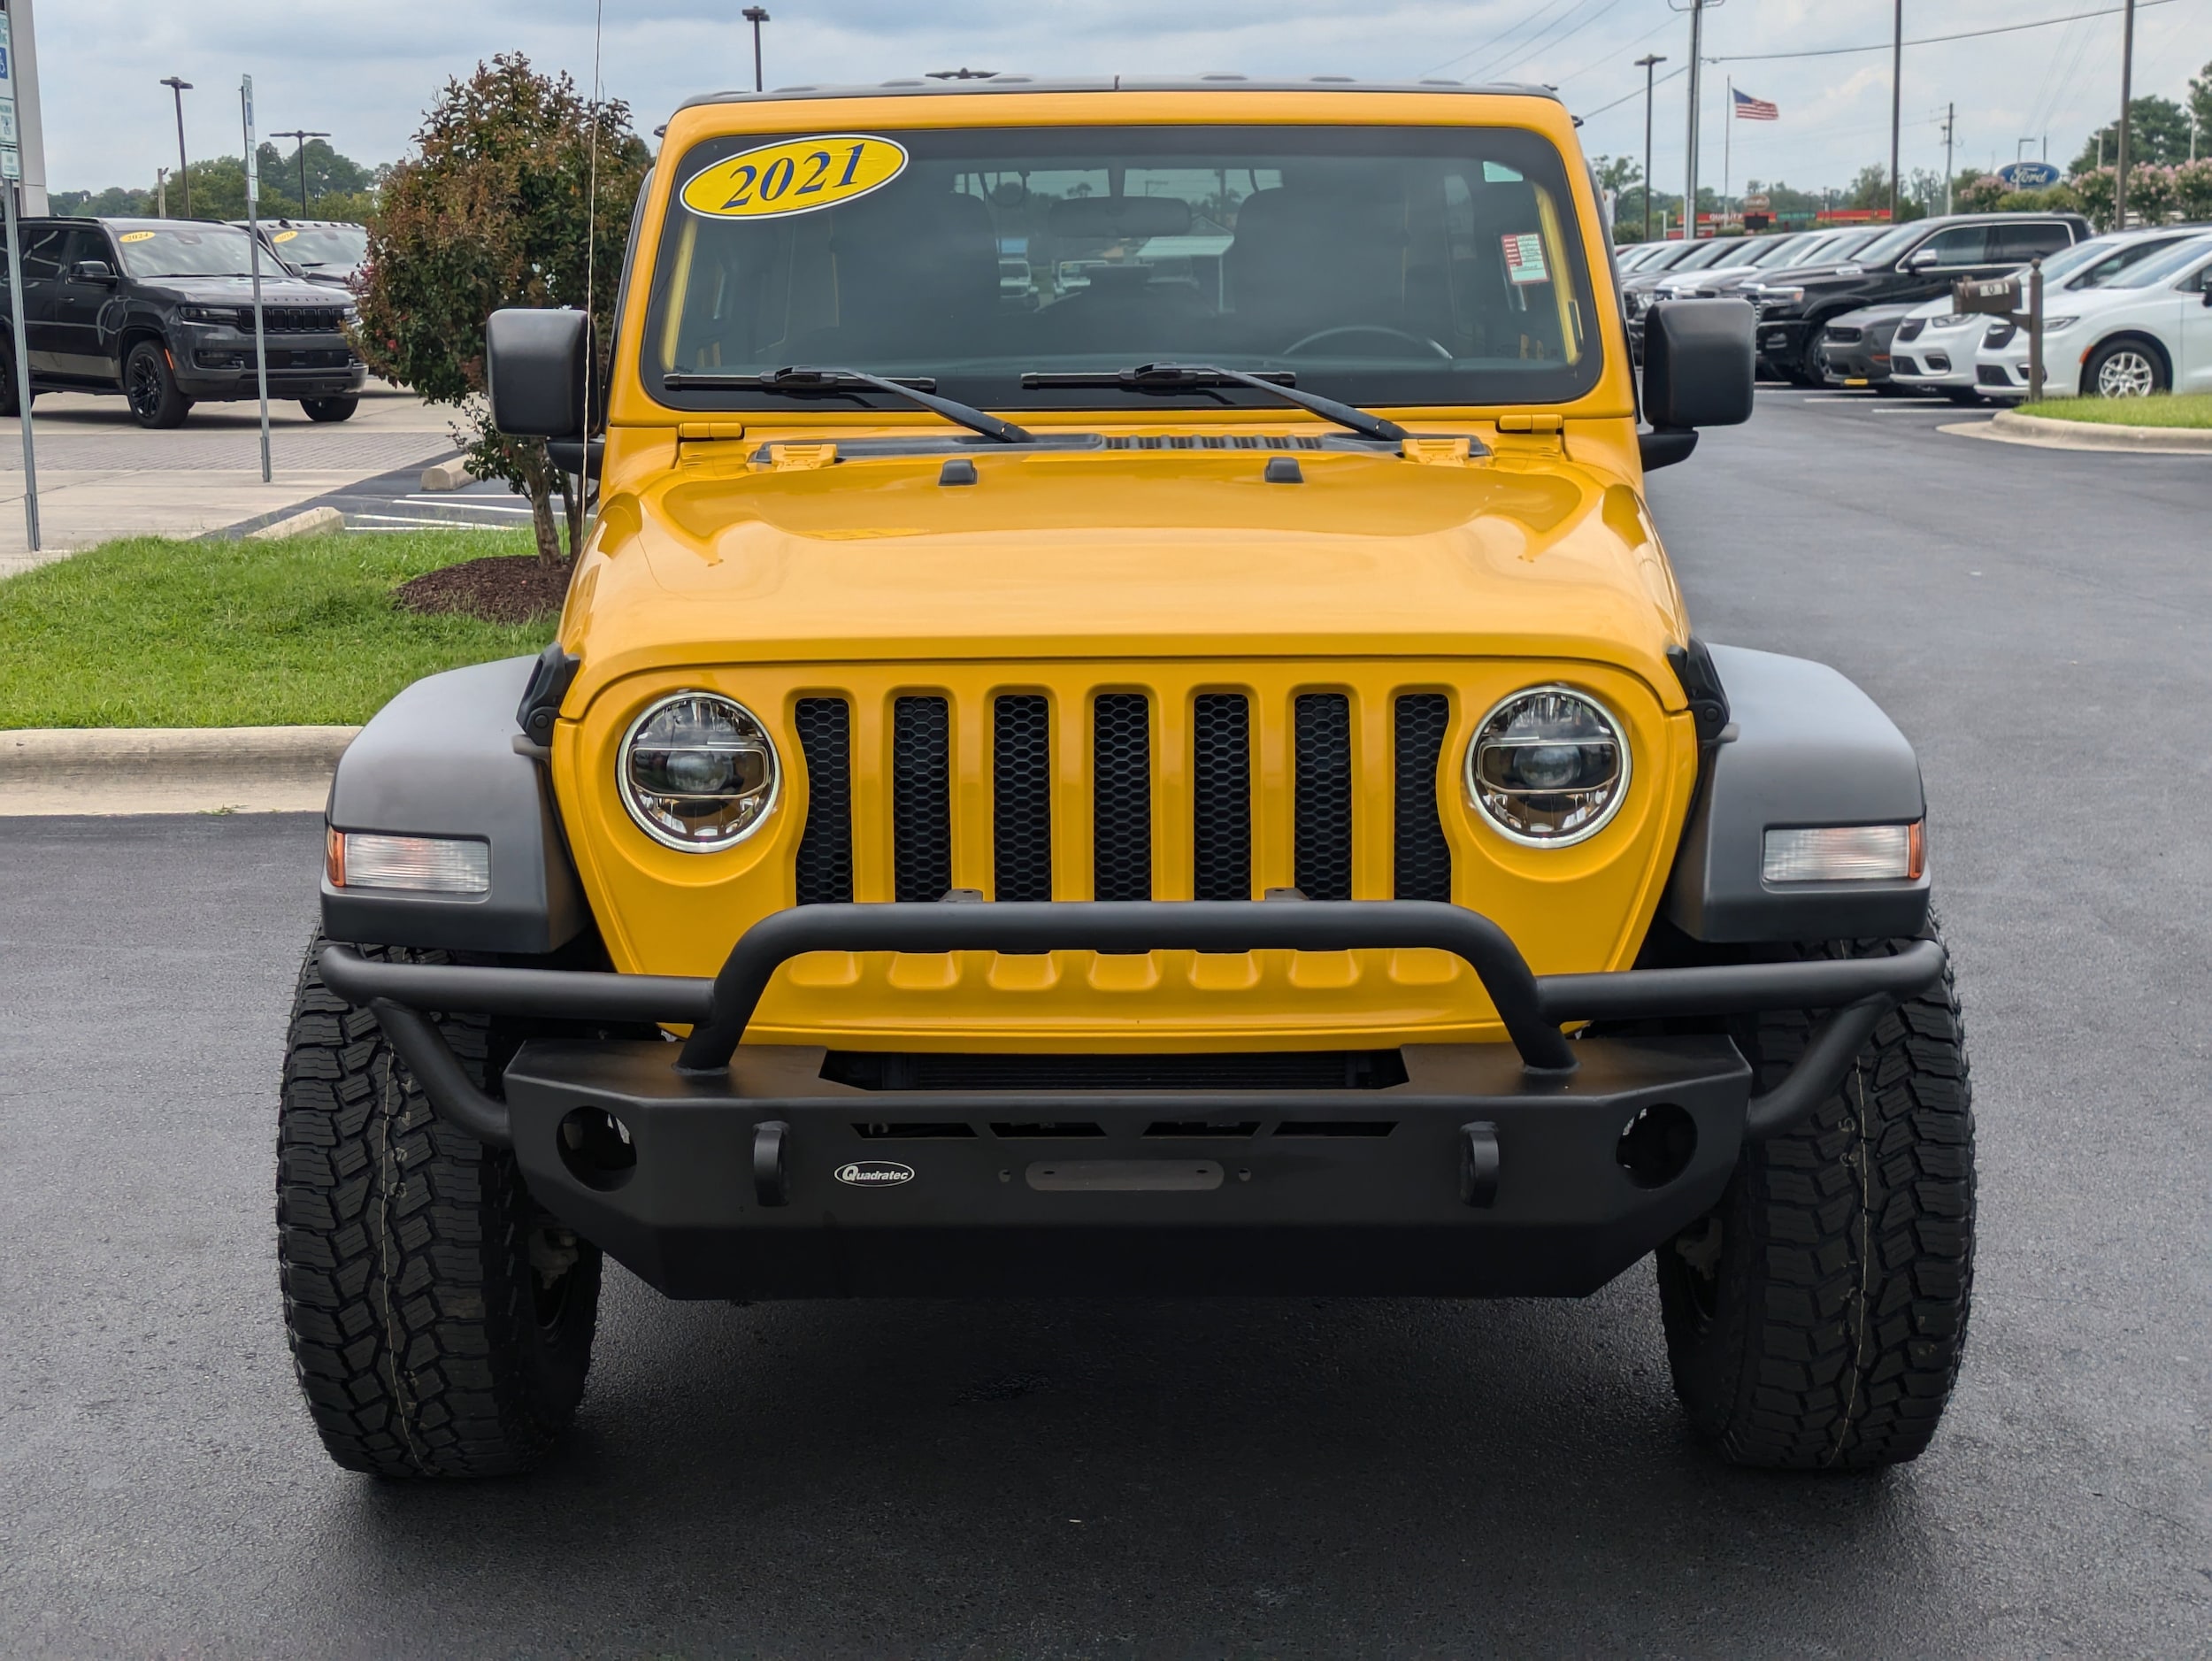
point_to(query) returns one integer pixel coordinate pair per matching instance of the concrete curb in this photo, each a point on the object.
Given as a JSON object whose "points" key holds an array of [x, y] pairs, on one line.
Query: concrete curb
{"points": [[118, 770], [2043, 429], [310, 523]]}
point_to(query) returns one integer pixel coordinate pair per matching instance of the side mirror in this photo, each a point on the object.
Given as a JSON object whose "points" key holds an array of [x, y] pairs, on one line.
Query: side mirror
{"points": [[1698, 371], [92, 271], [2207, 296], [534, 371], [1919, 259]]}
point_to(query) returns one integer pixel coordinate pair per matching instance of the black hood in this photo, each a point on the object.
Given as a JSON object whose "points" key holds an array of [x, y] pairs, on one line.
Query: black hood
{"points": [[275, 291]]}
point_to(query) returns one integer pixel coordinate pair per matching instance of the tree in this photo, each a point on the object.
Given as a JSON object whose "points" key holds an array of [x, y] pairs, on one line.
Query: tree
{"points": [[2200, 111], [2158, 131], [493, 211], [1616, 172], [1869, 188]]}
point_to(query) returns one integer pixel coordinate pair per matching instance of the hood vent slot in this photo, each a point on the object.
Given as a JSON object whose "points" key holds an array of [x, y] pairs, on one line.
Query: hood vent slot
{"points": [[1212, 441]]}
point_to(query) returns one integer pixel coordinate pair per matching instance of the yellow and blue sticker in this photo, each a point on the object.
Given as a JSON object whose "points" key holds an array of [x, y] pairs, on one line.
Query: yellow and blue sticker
{"points": [[796, 175]]}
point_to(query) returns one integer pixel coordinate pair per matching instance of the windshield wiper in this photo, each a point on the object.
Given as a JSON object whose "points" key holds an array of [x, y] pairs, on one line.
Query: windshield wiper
{"points": [[801, 381], [1182, 376]]}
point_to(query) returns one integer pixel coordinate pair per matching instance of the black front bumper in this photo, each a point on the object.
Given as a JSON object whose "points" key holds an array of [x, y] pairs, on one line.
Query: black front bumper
{"points": [[1860, 360], [315, 368], [1542, 1166]]}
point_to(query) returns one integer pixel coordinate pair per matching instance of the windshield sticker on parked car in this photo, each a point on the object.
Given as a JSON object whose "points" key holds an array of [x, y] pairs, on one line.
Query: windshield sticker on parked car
{"points": [[795, 176], [135, 236], [284, 236], [1525, 257]]}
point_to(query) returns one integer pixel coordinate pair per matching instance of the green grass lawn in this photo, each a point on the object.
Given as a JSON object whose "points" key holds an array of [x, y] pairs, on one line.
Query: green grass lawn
{"points": [[303, 631], [2168, 409]]}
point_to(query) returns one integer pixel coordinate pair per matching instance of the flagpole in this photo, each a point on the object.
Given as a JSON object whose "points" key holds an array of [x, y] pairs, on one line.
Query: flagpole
{"points": [[1728, 134]]}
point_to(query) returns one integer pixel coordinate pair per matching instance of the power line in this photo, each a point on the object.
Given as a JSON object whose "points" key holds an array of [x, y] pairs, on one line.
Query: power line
{"points": [[1539, 47], [1510, 29], [1932, 40], [1614, 52], [1625, 97]]}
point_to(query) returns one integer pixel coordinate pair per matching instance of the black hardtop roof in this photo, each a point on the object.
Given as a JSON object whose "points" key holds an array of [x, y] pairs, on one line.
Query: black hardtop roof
{"points": [[931, 86]]}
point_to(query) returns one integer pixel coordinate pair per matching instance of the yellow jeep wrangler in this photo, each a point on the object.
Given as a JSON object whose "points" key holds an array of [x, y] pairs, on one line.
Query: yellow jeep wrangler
{"points": [[1123, 726]]}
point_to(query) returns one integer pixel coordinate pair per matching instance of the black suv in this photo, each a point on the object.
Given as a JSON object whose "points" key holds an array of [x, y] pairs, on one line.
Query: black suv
{"points": [[162, 311], [1913, 262]]}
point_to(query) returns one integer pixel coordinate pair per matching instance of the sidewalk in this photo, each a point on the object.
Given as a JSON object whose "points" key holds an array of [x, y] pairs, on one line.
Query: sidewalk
{"points": [[101, 475]]}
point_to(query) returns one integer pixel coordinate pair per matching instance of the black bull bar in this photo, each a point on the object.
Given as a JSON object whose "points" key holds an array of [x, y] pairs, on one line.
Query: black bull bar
{"points": [[1855, 992]]}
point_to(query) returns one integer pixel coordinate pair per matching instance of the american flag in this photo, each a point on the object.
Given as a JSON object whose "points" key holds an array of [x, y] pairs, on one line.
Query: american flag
{"points": [[1751, 109]]}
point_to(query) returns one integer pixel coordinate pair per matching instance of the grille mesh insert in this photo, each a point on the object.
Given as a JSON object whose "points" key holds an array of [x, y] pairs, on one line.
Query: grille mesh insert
{"points": [[1321, 820], [1221, 781], [826, 848], [921, 799], [1021, 783], [1421, 860], [1121, 797], [1209, 440]]}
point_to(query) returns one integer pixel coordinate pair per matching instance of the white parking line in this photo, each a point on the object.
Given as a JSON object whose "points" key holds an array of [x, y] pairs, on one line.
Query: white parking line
{"points": [[447, 500], [388, 521]]}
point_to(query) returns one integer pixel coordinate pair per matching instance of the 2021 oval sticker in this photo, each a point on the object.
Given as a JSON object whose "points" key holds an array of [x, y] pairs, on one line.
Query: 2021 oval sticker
{"points": [[796, 175]]}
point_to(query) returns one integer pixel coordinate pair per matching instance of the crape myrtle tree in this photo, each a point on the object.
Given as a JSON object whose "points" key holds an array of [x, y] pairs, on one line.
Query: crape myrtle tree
{"points": [[492, 209]]}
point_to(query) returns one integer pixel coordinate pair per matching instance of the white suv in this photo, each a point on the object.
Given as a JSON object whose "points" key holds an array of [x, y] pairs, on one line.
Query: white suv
{"points": [[2147, 329]]}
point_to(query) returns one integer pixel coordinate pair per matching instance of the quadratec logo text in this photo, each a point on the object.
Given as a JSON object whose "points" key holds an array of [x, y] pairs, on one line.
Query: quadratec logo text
{"points": [[875, 1173]]}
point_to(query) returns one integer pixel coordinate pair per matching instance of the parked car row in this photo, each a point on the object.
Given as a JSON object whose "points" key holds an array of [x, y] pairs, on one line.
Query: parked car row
{"points": [[161, 311], [2125, 314]]}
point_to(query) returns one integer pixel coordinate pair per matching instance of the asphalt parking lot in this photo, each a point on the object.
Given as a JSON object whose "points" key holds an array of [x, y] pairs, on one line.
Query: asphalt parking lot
{"points": [[1277, 1478]]}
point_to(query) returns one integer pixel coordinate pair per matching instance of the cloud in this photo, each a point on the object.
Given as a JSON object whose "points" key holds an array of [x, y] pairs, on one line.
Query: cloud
{"points": [[365, 69]]}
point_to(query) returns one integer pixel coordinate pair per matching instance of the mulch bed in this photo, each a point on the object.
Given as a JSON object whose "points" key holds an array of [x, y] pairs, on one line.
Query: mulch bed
{"points": [[504, 589]]}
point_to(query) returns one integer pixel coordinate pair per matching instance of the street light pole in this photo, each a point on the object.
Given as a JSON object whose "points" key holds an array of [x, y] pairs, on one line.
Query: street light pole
{"points": [[303, 136], [2127, 82], [1896, 105], [1689, 182], [755, 16], [1645, 64], [184, 174]]}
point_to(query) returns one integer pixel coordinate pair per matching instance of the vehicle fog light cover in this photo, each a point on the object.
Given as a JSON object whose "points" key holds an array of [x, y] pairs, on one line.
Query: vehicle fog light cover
{"points": [[420, 864], [698, 773], [1548, 768], [1845, 853]]}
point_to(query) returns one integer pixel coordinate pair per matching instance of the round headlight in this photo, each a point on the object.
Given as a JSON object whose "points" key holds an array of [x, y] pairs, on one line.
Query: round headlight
{"points": [[1548, 767], [698, 772]]}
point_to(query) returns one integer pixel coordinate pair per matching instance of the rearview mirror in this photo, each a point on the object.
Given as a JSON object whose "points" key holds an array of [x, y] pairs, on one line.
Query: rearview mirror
{"points": [[534, 371], [1698, 371]]}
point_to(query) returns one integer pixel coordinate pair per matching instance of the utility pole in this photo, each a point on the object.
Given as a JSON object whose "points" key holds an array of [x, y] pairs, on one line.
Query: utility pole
{"points": [[161, 193], [1645, 64], [1896, 100], [755, 16], [17, 76], [2127, 83], [1689, 184], [253, 239], [1950, 122], [303, 136], [184, 174]]}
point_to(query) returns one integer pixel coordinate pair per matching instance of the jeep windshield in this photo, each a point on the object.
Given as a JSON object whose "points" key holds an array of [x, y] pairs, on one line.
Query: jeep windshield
{"points": [[203, 250], [1376, 265]]}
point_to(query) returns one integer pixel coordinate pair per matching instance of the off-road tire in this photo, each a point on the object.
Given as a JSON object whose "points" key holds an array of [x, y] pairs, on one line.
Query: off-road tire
{"points": [[441, 1323], [150, 387], [339, 408], [1815, 1317]]}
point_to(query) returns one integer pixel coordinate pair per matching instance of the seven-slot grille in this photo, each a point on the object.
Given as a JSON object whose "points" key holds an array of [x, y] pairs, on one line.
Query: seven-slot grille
{"points": [[1228, 814]]}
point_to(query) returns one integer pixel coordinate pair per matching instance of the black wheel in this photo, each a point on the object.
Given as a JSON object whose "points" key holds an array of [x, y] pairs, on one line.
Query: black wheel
{"points": [[151, 387], [2124, 368], [1815, 1317], [330, 409], [10, 404], [441, 1323], [1811, 370]]}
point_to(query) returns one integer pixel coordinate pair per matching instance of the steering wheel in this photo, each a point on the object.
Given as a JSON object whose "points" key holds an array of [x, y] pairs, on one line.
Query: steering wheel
{"points": [[1422, 340]]}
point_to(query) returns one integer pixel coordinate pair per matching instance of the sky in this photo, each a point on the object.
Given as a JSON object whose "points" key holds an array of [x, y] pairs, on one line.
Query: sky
{"points": [[364, 69]]}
